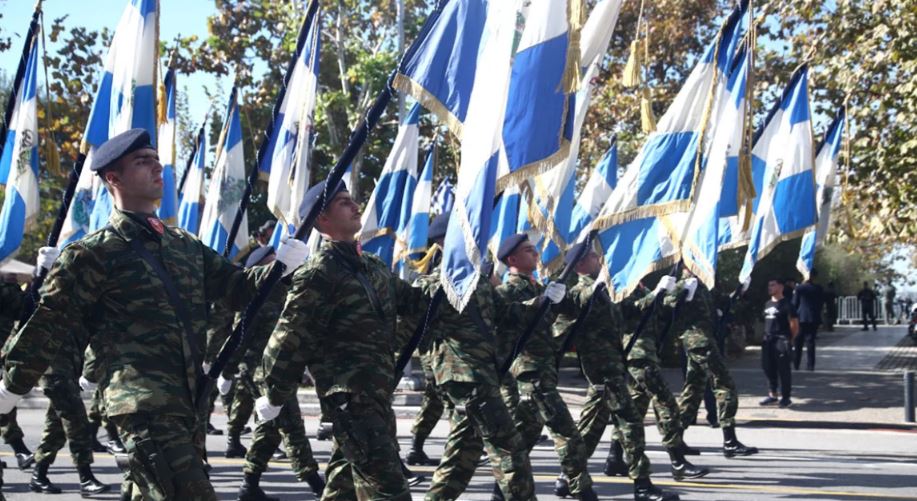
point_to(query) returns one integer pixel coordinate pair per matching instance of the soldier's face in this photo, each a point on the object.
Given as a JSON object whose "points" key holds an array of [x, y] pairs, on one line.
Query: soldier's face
{"points": [[342, 217], [139, 176], [524, 258]]}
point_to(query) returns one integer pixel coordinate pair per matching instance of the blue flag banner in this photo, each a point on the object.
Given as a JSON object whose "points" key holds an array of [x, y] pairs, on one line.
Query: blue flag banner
{"points": [[414, 226], [168, 206], [189, 209], [443, 198]]}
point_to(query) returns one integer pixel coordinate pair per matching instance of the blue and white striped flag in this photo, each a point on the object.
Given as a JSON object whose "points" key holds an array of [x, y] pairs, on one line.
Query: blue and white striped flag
{"points": [[662, 178], [227, 185], [125, 99], [168, 206], [598, 188], [189, 209], [415, 223], [286, 160], [19, 162], [826, 161], [443, 198], [784, 147], [443, 75], [391, 199]]}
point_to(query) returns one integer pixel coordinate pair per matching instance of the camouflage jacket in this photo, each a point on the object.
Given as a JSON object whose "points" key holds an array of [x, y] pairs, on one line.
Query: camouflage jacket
{"points": [[101, 282], [68, 363], [248, 358], [331, 325], [11, 298], [462, 351], [633, 308], [694, 323], [540, 351], [598, 338]]}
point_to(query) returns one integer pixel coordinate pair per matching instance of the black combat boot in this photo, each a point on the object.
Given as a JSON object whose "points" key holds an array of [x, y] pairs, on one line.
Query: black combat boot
{"points": [[94, 437], [24, 457], [412, 478], [213, 430], [588, 494], [114, 444], [416, 456], [614, 463], [644, 490], [324, 431], [731, 445], [682, 468], [234, 447], [316, 483], [561, 486], [497, 494], [89, 484], [40, 482], [251, 491]]}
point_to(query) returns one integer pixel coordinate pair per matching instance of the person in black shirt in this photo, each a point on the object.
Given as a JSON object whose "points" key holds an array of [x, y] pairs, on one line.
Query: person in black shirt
{"points": [[867, 299], [807, 301], [780, 327]]}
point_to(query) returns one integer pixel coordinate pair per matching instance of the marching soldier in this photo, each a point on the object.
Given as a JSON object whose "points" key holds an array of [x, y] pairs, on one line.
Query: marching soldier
{"points": [[463, 351], [142, 289], [601, 355], [647, 385], [11, 303], [339, 320], [289, 426], [695, 326], [534, 369]]}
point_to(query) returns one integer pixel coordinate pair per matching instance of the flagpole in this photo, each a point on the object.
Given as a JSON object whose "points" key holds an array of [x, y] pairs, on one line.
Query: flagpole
{"points": [[357, 138], [20, 74], [190, 162]]}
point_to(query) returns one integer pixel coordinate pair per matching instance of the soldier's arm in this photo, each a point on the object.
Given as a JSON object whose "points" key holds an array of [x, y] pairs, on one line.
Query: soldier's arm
{"points": [[219, 327], [71, 289], [296, 339], [11, 296], [224, 280]]}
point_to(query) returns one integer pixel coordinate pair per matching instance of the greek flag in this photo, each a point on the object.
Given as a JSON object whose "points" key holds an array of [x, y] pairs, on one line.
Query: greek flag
{"points": [[632, 250], [227, 185], [662, 178], [286, 158], [598, 188], [783, 149], [391, 201], [442, 74], [168, 206], [189, 209], [825, 177], [19, 161], [124, 99], [415, 223], [443, 198]]}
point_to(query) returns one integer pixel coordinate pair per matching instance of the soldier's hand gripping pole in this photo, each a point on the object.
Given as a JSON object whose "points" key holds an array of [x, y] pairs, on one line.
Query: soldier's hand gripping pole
{"points": [[356, 141], [676, 270], [544, 305]]}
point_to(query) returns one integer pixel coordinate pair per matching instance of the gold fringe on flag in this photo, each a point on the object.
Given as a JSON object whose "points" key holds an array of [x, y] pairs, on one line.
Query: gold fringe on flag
{"points": [[50, 150], [575, 19], [746, 192], [422, 265]]}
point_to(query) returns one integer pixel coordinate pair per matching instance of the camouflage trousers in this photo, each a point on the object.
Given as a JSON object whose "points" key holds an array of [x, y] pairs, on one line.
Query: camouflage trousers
{"points": [[431, 406], [9, 427], [365, 464], [65, 422], [540, 405], [289, 426], [612, 401], [481, 420], [241, 408], [165, 456], [649, 386], [706, 362]]}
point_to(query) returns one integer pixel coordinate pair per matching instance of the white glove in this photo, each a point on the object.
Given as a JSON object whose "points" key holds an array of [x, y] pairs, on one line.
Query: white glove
{"points": [[8, 399], [745, 285], [223, 385], [555, 292], [292, 253], [691, 287], [87, 385], [266, 411], [666, 283], [46, 257], [205, 367]]}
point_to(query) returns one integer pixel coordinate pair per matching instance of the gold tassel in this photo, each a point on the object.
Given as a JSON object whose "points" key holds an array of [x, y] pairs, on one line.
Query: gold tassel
{"points": [[161, 104], [647, 118], [422, 265], [52, 157], [631, 77]]}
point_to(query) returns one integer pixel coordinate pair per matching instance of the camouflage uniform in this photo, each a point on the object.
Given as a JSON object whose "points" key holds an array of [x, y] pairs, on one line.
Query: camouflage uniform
{"points": [[695, 325], [289, 424], [221, 318], [151, 366], [66, 420], [643, 364], [465, 368], [344, 331], [11, 297], [601, 355], [535, 372], [431, 406]]}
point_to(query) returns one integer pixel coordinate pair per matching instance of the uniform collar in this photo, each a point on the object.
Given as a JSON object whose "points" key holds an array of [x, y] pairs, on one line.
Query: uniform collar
{"points": [[135, 225], [348, 251], [520, 277]]}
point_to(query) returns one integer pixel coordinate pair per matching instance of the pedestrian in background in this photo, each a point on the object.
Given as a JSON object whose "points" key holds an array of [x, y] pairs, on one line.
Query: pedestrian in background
{"points": [[807, 300], [781, 325], [867, 299]]}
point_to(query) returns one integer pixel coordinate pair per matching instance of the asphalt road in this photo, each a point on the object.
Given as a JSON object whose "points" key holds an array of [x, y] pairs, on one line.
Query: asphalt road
{"points": [[794, 463]]}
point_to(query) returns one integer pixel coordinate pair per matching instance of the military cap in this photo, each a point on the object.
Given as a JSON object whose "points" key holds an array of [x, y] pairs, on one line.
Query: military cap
{"points": [[314, 196], [258, 254], [438, 227], [117, 147], [574, 251], [509, 245]]}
